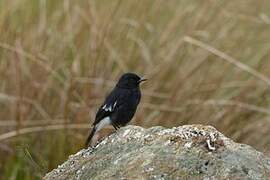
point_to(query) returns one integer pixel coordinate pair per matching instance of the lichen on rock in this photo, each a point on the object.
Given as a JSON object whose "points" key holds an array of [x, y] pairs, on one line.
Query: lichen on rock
{"points": [[185, 152]]}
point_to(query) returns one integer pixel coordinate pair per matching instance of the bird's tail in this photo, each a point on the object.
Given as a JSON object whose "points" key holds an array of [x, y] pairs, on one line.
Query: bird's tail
{"points": [[88, 140]]}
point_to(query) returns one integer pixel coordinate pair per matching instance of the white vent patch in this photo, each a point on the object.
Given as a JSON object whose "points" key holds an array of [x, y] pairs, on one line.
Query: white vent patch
{"points": [[104, 122]]}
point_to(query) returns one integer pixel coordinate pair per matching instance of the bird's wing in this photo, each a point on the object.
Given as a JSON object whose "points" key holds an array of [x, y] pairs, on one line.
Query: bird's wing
{"points": [[111, 103]]}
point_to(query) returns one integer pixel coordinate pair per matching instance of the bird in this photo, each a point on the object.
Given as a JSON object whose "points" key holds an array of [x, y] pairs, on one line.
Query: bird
{"points": [[119, 106]]}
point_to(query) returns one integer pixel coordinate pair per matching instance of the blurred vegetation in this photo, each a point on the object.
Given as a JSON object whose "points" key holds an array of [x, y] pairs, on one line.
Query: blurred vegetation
{"points": [[207, 63]]}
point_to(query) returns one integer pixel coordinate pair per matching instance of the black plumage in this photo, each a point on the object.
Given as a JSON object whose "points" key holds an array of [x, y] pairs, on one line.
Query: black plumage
{"points": [[120, 105]]}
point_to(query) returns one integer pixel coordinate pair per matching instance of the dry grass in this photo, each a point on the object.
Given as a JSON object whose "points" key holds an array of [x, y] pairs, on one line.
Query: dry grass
{"points": [[207, 62]]}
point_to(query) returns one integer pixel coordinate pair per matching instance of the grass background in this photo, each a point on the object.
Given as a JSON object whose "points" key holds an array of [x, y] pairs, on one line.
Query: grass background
{"points": [[207, 63]]}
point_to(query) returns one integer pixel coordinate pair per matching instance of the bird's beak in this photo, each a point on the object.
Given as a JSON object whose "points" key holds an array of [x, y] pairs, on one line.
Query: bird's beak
{"points": [[141, 80]]}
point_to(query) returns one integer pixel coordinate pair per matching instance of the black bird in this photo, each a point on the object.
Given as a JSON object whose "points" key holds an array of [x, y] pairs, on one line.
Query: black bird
{"points": [[120, 105]]}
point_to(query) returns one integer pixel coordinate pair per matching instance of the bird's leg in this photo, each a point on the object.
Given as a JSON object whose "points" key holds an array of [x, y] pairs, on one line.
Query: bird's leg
{"points": [[115, 126]]}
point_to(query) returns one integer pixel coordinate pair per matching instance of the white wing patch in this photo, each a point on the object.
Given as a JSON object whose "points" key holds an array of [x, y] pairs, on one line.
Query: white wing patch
{"points": [[109, 107], [114, 104]]}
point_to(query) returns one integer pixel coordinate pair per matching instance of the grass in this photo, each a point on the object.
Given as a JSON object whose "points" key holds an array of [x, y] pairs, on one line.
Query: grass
{"points": [[207, 63]]}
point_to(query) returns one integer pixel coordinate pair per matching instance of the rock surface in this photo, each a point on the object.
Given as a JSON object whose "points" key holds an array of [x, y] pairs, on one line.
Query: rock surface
{"points": [[185, 152]]}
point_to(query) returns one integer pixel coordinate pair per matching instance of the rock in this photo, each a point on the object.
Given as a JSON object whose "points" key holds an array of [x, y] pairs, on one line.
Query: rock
{"points": [[185, 152]]}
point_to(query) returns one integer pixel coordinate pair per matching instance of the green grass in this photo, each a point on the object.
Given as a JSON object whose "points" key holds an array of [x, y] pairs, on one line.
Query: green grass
{"points": [[207, 63]]}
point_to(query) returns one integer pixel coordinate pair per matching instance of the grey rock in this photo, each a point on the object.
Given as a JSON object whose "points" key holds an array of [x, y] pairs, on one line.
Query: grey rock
{"points": [[185, 152]]}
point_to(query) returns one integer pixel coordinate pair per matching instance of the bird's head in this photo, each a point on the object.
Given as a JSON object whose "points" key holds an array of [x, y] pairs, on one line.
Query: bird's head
{"points": [[129, 81]]}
